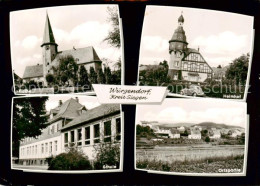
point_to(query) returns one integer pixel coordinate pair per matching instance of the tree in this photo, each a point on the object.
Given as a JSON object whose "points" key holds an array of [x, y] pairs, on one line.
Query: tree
{"points": [[74, 159], [29, 117], [219, 66], [50, 79], [67, 70], [92, 76], [107, 154], [238, 70], [207, 139], [101, 77], [83, 76], [155, 75], [108, 75], [31, 84], [113, 37]]}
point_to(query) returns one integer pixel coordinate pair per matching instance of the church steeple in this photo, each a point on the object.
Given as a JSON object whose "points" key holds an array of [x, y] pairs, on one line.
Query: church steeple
{"points": [[178, 40], [48, 37]]}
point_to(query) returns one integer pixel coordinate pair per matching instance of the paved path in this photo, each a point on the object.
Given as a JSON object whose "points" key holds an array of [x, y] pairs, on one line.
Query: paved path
{"points": [[33, 167]]}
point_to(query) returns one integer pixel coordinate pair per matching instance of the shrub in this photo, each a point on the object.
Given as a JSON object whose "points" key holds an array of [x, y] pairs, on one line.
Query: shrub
{"points": [[107, 154], [74, 159]]}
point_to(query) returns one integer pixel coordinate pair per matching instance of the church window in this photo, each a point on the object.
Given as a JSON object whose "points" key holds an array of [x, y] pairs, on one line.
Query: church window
{"points": [[47, 63], [178, 54], [176, 63]]}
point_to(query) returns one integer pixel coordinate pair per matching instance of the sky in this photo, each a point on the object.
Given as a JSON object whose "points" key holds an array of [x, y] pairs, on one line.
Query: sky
{"points": [[194, 111], [89, 101], [220, 36], [79, 26]]}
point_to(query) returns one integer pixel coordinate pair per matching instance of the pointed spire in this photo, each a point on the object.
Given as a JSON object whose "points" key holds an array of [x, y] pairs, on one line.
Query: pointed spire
{"points": [[181, 18], [48, 37]]}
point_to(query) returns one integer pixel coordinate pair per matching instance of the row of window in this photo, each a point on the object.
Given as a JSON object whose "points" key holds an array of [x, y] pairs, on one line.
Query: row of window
{"points": [[46, 148], [69, 137], [196, 67], [53, 128]]}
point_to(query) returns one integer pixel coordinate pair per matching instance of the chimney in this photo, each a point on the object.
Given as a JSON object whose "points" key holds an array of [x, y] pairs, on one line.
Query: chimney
{"points": [[60, 102], [77, 99], [198, 48]]}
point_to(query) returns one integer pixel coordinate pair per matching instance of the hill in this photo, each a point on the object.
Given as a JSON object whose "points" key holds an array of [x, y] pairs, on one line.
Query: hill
{"points": [[215, 125]]}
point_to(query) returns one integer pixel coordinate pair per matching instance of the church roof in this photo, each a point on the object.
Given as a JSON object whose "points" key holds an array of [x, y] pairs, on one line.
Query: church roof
{"points": [[48, 36], [181, 19], [33, 71], [179, 35], [93, 114], [69, 109], [81, 55]]}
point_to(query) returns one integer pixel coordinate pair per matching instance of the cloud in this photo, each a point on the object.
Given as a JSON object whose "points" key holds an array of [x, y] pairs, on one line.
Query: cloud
{"points": [[222, 43], [155, 43], [172, 114], [215, 61], [108, 52], [151, 60], [229, 116], [90, 33], [29, 42], [90, 105]]}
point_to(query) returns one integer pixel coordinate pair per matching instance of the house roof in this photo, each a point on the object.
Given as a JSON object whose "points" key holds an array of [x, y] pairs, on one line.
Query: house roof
{"points": [[175, 131], [195, 131], [33, 71], [69, 109], [81, 55], [95, 113]]}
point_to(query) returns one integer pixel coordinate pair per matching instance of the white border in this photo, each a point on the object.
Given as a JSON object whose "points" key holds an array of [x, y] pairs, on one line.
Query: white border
{"points": [[201, 174], [120, 169], [250, 53], [83, 93]]}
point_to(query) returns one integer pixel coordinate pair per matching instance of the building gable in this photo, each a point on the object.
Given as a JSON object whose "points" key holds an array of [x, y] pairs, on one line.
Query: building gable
{"points": [[33, 71]]}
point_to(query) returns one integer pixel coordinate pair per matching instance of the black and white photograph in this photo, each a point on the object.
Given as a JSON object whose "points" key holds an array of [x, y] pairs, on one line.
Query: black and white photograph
{"points": [[196, 52], [66, 133], [192, 137], [57, 52]]}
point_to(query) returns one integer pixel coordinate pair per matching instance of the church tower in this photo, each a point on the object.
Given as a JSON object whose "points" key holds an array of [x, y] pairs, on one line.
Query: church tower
{"points": [[177, 47], [49, 48]]}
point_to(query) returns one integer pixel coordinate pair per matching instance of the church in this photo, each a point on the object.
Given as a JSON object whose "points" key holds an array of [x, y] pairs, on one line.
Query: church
{"points": [[186, 64], [50, 57]]}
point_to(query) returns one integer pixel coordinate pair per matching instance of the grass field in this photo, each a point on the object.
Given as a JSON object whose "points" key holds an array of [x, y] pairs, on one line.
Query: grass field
{"points": [[191, 159]]}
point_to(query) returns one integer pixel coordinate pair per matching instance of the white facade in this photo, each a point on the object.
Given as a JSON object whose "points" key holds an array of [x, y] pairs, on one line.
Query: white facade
{"points": [[176, 136], [86, 136], [194, 136], [36, 150]]}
